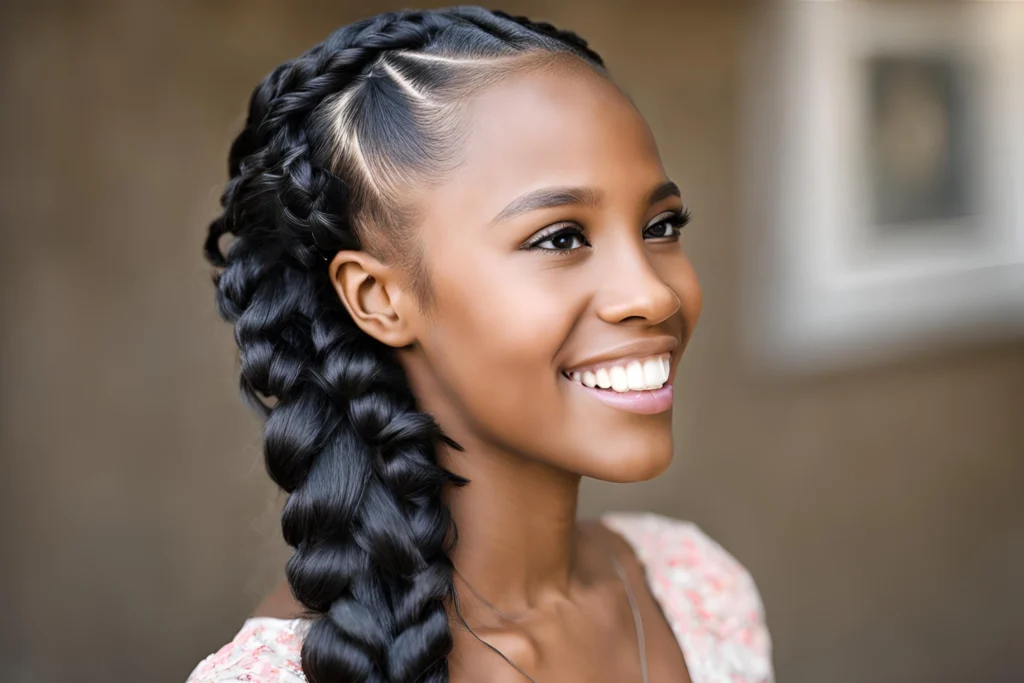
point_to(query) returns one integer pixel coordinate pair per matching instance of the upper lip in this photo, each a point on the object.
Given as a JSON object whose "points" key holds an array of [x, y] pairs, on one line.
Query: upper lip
{"points": [[634, 350]]}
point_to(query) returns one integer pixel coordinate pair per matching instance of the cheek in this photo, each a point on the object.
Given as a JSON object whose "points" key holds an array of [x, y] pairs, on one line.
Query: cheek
{"points": [[493, 339], [506, 317]]}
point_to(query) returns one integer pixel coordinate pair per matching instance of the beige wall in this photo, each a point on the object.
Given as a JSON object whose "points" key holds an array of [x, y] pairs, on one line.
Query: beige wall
{"points": [[881, 512]]}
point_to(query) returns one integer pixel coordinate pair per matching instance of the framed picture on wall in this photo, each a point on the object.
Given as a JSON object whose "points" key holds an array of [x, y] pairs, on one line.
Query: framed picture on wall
{"points": [[919, 132], [883, 181]]}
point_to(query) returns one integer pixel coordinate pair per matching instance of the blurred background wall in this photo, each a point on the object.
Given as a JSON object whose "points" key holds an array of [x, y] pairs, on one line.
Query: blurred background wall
{"points": [[881, 511]]}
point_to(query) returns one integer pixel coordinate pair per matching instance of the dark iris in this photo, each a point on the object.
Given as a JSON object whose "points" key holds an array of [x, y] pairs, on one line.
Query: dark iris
{"points": [[564, 241]]}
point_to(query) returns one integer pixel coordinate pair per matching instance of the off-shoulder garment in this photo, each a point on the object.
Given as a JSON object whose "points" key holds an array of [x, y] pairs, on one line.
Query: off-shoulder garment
{"points": [[708, 598]]}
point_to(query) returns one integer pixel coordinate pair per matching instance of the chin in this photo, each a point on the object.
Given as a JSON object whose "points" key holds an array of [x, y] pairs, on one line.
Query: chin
{"points": [[629, 460]]}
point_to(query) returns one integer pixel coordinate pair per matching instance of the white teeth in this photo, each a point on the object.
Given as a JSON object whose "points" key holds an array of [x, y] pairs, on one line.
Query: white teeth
{"points": [[618, 377], [654, 375], [636, 375]]}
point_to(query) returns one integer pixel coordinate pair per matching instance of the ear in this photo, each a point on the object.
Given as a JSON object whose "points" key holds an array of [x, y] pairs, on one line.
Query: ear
{"points": [[373, 294]]}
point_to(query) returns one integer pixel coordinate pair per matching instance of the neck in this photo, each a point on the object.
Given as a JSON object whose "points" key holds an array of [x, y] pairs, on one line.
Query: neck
{"points": [[516, 523]]}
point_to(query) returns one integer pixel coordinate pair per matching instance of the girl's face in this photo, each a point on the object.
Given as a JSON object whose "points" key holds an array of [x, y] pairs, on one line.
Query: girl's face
{"points": [[554, 263]]}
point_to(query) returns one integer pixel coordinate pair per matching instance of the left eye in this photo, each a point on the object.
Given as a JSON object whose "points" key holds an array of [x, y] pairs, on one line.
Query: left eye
{"points": [[661, 230], [667, 228]]}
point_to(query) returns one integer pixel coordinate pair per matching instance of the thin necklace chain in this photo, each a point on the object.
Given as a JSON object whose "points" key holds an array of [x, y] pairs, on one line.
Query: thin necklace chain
{"points": [[638, 620]]}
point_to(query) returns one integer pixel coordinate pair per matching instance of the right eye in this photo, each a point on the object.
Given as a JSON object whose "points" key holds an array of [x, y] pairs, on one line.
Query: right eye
{"points": [[558, 239]]}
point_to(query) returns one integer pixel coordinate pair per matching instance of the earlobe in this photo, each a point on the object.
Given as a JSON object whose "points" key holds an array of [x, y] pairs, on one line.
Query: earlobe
{"points": [[370, 291]]}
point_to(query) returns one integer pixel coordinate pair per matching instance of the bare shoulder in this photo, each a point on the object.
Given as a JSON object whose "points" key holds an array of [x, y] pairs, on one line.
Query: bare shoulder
{"points": [[265, 650]]}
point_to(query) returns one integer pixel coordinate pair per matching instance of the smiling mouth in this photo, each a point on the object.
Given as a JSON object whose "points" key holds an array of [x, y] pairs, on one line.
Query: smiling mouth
{"points": [[639, 374]]}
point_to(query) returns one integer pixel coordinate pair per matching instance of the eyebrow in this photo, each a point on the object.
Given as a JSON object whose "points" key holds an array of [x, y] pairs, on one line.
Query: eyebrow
{"points": [[664, 191], [553, 197], [548, 198]]}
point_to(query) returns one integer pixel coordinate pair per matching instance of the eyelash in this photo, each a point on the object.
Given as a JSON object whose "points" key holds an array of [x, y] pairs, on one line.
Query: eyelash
{"points": [[676, 220]]}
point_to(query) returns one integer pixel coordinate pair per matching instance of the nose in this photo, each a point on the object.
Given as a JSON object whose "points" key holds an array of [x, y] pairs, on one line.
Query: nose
{"points": [[631, 291]]}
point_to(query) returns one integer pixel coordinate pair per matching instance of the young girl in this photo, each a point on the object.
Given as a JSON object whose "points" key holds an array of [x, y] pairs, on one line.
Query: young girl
{"points": [[457, 288]]}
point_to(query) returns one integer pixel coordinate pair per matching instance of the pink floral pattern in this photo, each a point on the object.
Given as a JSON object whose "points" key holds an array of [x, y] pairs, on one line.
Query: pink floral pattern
{"points": [[709, 599]]}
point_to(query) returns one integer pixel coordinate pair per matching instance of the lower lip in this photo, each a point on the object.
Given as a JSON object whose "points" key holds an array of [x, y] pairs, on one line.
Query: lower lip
{"points": [[643, 402]]}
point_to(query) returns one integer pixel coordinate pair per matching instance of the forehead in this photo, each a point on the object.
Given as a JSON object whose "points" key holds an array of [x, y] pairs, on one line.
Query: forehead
{"points": [[553, 127]]}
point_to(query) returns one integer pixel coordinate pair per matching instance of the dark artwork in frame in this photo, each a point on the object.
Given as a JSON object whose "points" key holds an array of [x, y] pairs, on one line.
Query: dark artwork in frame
{"points": [[920, 138]]}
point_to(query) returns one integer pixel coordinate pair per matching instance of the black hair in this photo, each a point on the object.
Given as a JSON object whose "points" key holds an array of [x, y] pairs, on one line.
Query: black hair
{"points": [[329, 137]]}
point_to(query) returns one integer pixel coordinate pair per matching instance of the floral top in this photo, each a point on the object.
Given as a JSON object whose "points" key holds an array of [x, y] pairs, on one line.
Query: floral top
{"points": [[708, 598]]}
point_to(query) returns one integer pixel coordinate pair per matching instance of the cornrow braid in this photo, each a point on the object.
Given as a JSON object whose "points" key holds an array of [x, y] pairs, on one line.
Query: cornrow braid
{"points": [[567, 37], [329, 139]]}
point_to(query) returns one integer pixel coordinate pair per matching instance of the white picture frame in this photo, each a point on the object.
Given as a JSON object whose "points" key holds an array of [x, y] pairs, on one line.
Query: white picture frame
{"points": [[823, 286]]}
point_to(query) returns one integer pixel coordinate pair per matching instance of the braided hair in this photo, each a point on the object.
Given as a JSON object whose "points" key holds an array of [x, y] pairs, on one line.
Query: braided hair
{"points": [[329, 139]]}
